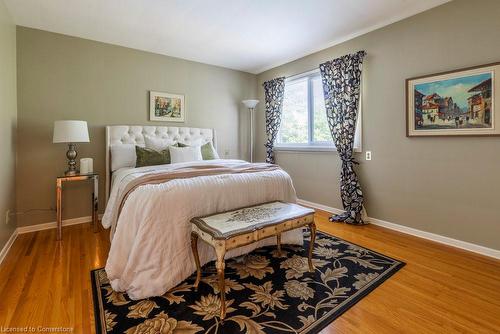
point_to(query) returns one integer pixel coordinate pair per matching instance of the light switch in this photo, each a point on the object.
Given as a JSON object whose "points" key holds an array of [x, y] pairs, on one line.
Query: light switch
{"points": [[368, 155]]}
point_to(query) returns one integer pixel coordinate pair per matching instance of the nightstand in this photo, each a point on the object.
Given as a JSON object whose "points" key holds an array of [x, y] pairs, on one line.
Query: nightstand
{"points": [[78, 177]]}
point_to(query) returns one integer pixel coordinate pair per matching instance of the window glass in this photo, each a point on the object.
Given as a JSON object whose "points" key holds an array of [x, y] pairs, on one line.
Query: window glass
{"points": [[321, 131], [294, 118], [303, 119]]}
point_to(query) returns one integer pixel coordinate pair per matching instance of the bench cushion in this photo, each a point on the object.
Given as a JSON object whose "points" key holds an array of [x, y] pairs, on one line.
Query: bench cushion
{"points": [[228, 224]]}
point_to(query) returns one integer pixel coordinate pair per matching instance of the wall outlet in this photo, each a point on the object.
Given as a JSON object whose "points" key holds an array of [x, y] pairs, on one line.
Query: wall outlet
{"points": [[368, 155], [7, 217]]}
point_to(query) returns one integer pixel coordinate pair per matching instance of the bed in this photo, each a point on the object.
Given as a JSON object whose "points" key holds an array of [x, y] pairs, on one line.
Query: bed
{"points": [[149, 208]]}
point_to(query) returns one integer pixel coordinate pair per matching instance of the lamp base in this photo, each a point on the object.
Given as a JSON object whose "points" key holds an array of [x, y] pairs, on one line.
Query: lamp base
{"points": [[71, 154]]}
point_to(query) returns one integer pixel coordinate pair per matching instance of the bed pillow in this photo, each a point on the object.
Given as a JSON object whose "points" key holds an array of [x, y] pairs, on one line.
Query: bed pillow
{"points": [[208, 151], [122, 155], [157, 144], [185, 154], [149, 157]]}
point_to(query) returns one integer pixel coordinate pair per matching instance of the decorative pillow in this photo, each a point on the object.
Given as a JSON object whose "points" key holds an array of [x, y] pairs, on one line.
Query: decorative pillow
{"points": [[149, 157], [208, 151], [185, 154], [122, 155], [158, 144]]}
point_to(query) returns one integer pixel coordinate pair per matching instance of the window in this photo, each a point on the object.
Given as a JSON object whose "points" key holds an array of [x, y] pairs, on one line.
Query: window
{"points": [[303, 121]]}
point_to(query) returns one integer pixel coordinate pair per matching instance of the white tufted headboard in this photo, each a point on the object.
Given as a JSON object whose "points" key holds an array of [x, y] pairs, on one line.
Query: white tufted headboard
{"points": [[134, 134]]}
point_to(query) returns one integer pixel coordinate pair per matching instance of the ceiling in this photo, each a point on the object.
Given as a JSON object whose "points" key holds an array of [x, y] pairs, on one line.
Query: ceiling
{"points": [[246, 35]]}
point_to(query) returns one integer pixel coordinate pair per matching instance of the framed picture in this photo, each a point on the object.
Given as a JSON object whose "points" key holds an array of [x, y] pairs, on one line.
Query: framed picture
{"points": [[455, 103], [166, 107]]}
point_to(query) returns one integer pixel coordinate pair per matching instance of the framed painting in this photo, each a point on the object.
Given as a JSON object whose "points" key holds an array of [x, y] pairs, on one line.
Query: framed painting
{"points": [[455, 103], [166, 107]]}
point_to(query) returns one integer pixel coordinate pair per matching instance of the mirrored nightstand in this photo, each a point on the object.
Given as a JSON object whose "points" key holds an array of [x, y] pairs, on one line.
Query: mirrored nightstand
{"points": [[94, 200]]}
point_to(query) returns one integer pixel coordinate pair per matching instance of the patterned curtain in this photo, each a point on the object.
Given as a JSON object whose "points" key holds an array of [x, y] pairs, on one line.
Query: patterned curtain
{"points": [[341, 86], [274, 90]]}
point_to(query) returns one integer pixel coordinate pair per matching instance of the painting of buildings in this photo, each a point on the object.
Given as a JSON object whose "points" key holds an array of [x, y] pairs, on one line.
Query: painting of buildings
{"points": [[453, 103], [463, 102]]}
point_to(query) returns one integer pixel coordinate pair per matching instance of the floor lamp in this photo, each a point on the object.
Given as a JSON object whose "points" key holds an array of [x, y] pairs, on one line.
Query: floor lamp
{"points": [[250, 104]]}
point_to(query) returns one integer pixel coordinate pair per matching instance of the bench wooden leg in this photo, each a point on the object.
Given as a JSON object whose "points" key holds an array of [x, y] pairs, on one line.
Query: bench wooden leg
{"points": [[194, 247], [312, 227], [220, 265], [278, 243]]}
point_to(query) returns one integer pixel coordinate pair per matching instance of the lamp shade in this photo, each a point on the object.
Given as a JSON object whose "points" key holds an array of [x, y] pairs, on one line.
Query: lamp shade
{"points": [[250, 104], [70, 132]]}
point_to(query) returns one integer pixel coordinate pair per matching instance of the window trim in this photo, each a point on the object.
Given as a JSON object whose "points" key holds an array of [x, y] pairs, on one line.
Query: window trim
{"points": [[318, 146]]}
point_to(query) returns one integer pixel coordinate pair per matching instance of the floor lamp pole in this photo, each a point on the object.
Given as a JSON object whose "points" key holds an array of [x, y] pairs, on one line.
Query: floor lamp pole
{"points": [[251, 134], [250, 104]]}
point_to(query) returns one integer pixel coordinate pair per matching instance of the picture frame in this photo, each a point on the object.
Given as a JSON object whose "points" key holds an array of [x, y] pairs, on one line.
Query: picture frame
{"points": [[454, 103], [166, 107]]}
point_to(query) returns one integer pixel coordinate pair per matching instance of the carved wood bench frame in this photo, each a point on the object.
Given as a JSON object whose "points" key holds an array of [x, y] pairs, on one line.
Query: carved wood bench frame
{"points": [[222, 243]]}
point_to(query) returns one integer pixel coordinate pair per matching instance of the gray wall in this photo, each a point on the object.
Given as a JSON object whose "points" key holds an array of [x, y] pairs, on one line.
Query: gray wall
{"points": [[61, 77], [449, 186], [8, 115]]}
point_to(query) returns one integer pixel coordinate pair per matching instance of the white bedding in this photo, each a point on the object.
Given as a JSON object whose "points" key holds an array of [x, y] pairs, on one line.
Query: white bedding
{"points": [[150, 248]]}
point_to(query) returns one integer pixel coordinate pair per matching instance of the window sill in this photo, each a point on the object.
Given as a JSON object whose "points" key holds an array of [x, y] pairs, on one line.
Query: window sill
{"points": [[308, 148]]}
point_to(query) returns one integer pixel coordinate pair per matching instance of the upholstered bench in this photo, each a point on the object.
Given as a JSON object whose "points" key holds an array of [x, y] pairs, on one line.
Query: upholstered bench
{"points": [[236, 228]]}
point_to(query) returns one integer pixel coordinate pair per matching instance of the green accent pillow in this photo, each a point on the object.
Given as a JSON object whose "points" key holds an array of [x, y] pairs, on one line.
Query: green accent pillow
{"points": [[148, 157], [207, 151]]}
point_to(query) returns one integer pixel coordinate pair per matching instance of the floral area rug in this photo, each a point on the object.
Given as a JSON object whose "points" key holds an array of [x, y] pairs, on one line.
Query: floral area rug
{"points": [[265, 293]]}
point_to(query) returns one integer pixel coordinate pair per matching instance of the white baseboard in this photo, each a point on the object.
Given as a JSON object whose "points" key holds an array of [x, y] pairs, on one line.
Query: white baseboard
{"points": [[48, 226], [320, 206], [418, 233], [7, 245]]}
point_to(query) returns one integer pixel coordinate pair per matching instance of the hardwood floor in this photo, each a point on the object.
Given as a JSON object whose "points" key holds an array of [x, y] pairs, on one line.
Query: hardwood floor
{"points": [[440, 290]]}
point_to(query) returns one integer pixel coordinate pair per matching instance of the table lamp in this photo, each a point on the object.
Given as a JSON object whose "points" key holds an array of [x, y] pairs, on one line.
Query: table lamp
{"points": [[71, 132]]}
